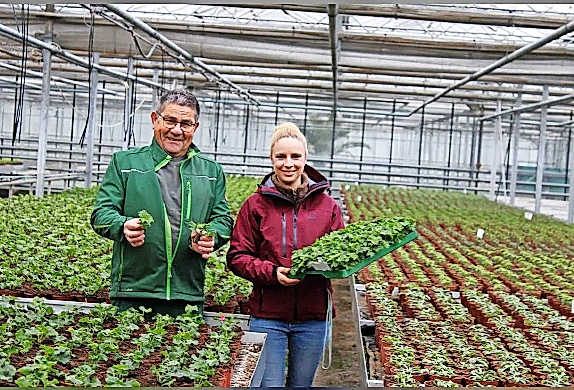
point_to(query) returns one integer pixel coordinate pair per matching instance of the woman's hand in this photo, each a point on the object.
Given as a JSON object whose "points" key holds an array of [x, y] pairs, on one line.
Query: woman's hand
{"points": [[204, 246], [284, 279]]}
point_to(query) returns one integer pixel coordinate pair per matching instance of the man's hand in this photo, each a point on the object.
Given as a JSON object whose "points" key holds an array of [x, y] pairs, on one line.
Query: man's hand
{"points": [[134, 232], [204, 246], [284, 279]]}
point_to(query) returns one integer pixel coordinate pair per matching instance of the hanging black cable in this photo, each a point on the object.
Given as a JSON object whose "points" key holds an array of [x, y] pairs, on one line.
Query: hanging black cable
{"points": [[133, 111], [90, 66], [506, 161], [19, 104]]}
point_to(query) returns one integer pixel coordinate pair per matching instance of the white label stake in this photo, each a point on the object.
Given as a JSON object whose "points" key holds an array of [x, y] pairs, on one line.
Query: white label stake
{"points": [[480, 233]]}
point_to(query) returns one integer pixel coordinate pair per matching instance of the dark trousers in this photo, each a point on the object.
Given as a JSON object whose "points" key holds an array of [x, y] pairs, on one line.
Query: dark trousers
{"points": [[158, 306]]}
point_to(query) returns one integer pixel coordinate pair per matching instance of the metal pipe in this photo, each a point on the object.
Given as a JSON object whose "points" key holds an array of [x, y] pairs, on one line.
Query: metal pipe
{"points": [[216, 76], [71, 57], [363, 135], [531, 107], [541, 154], [128, 106], [334, 28], [567, 28], [91, 121], [514, 168], [571, 200], [45, 107], [55, 78]]}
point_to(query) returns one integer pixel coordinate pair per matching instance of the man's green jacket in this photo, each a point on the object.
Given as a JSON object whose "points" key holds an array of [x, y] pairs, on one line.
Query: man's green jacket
{"points": [[155, 269]]}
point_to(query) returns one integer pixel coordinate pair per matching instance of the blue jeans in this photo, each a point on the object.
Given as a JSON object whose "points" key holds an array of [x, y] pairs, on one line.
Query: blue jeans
{"points": [[304, 340]]}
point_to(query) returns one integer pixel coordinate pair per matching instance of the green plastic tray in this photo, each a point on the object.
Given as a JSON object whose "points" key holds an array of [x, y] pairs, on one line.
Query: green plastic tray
{"points": [[341, 274]]}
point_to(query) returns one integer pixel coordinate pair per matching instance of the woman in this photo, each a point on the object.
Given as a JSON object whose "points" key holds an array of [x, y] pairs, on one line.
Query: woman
{"points": [[289, 210]]}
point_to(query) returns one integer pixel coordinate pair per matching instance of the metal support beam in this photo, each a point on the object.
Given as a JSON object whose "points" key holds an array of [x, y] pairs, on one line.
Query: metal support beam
{"points": [[57, 51], [45, 107], [210, 73], [515, 145], [571, 193], [128, 106], [566, 29], [494, 167], [55, 78], [541, 154], [532, 107], [334, 30], [91, 121]]}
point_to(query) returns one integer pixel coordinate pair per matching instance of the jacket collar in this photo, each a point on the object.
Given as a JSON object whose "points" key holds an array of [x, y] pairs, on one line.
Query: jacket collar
{"points": [[160, 155], [317, 182]]}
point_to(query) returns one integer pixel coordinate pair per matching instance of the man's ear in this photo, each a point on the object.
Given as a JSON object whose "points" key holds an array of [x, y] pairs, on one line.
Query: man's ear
{"points": [[153, 116]]}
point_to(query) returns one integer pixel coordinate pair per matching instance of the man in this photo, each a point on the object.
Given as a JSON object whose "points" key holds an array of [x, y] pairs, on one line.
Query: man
{"points": [[163, 267]]}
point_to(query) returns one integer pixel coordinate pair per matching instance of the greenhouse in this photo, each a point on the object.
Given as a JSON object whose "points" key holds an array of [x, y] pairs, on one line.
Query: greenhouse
{"points": [[444, 133]]}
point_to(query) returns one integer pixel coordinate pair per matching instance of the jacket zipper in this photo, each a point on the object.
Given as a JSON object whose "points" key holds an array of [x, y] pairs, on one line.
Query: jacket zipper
{"points": [[188, 212], [167, 230], [261, 299], [283, 234], [296, 300]]}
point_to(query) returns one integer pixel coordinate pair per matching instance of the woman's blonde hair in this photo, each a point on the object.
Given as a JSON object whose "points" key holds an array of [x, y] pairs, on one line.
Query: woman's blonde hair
{"points": [[287, 130]]}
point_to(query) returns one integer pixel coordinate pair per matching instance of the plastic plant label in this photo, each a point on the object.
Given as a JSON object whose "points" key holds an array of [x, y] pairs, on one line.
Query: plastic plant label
{"points": [[464, 191], [347, 187], [528, 215], [320, 265], [359, 198], [480, 233]]}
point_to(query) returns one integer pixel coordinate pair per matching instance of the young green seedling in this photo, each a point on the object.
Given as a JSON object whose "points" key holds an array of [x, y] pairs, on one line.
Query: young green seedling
{"points": [[145, 219], [205, 229]]}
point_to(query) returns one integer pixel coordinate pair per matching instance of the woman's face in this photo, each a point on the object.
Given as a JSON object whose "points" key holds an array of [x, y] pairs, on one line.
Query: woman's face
{"points": [[289, 158]]}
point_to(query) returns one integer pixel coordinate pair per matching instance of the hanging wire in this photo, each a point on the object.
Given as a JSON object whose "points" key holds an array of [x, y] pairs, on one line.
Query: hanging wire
{"points": [[132, 110], [90, 67], [19, 101]]}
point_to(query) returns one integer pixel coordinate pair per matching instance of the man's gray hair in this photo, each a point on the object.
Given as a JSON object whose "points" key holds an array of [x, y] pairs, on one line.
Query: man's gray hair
{"points": [[180, 97]]}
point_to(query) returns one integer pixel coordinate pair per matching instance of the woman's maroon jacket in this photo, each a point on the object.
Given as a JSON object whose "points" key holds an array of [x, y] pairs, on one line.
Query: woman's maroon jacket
{"points": [[268, 228]]}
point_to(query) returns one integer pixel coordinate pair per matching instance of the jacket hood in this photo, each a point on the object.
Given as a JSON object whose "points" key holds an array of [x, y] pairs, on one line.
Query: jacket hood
{"points": [[316, 181]]}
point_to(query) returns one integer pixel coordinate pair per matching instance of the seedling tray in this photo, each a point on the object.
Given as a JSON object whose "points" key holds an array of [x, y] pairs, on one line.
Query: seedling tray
{"points": [[341, 274]]}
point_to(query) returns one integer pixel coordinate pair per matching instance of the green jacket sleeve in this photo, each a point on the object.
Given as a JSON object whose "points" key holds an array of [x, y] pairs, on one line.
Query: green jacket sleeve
{"points": [[107, 219], [220, 218]]}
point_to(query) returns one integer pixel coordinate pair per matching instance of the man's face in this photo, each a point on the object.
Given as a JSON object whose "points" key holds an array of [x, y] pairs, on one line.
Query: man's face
{"points": [[176, 140]]}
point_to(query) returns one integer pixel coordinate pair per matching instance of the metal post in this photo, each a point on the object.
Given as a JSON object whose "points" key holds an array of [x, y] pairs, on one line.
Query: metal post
{"points": [[479, 153], [568, 150], [246, 134], [306, 112], [91, 120], [333, 131], [277, 109], [392, 137], [450, 141], [420, 145], [493, 170], [101, 130], [45, 108], [155, 90], [516, 144], [472, 147], [128, 105], [363, 137], [541, 153], [217, 116], [571, 194]]}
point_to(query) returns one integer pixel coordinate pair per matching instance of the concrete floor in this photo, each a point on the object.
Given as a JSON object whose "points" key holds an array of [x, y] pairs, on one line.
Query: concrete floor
{"points": [[554, 208]]}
